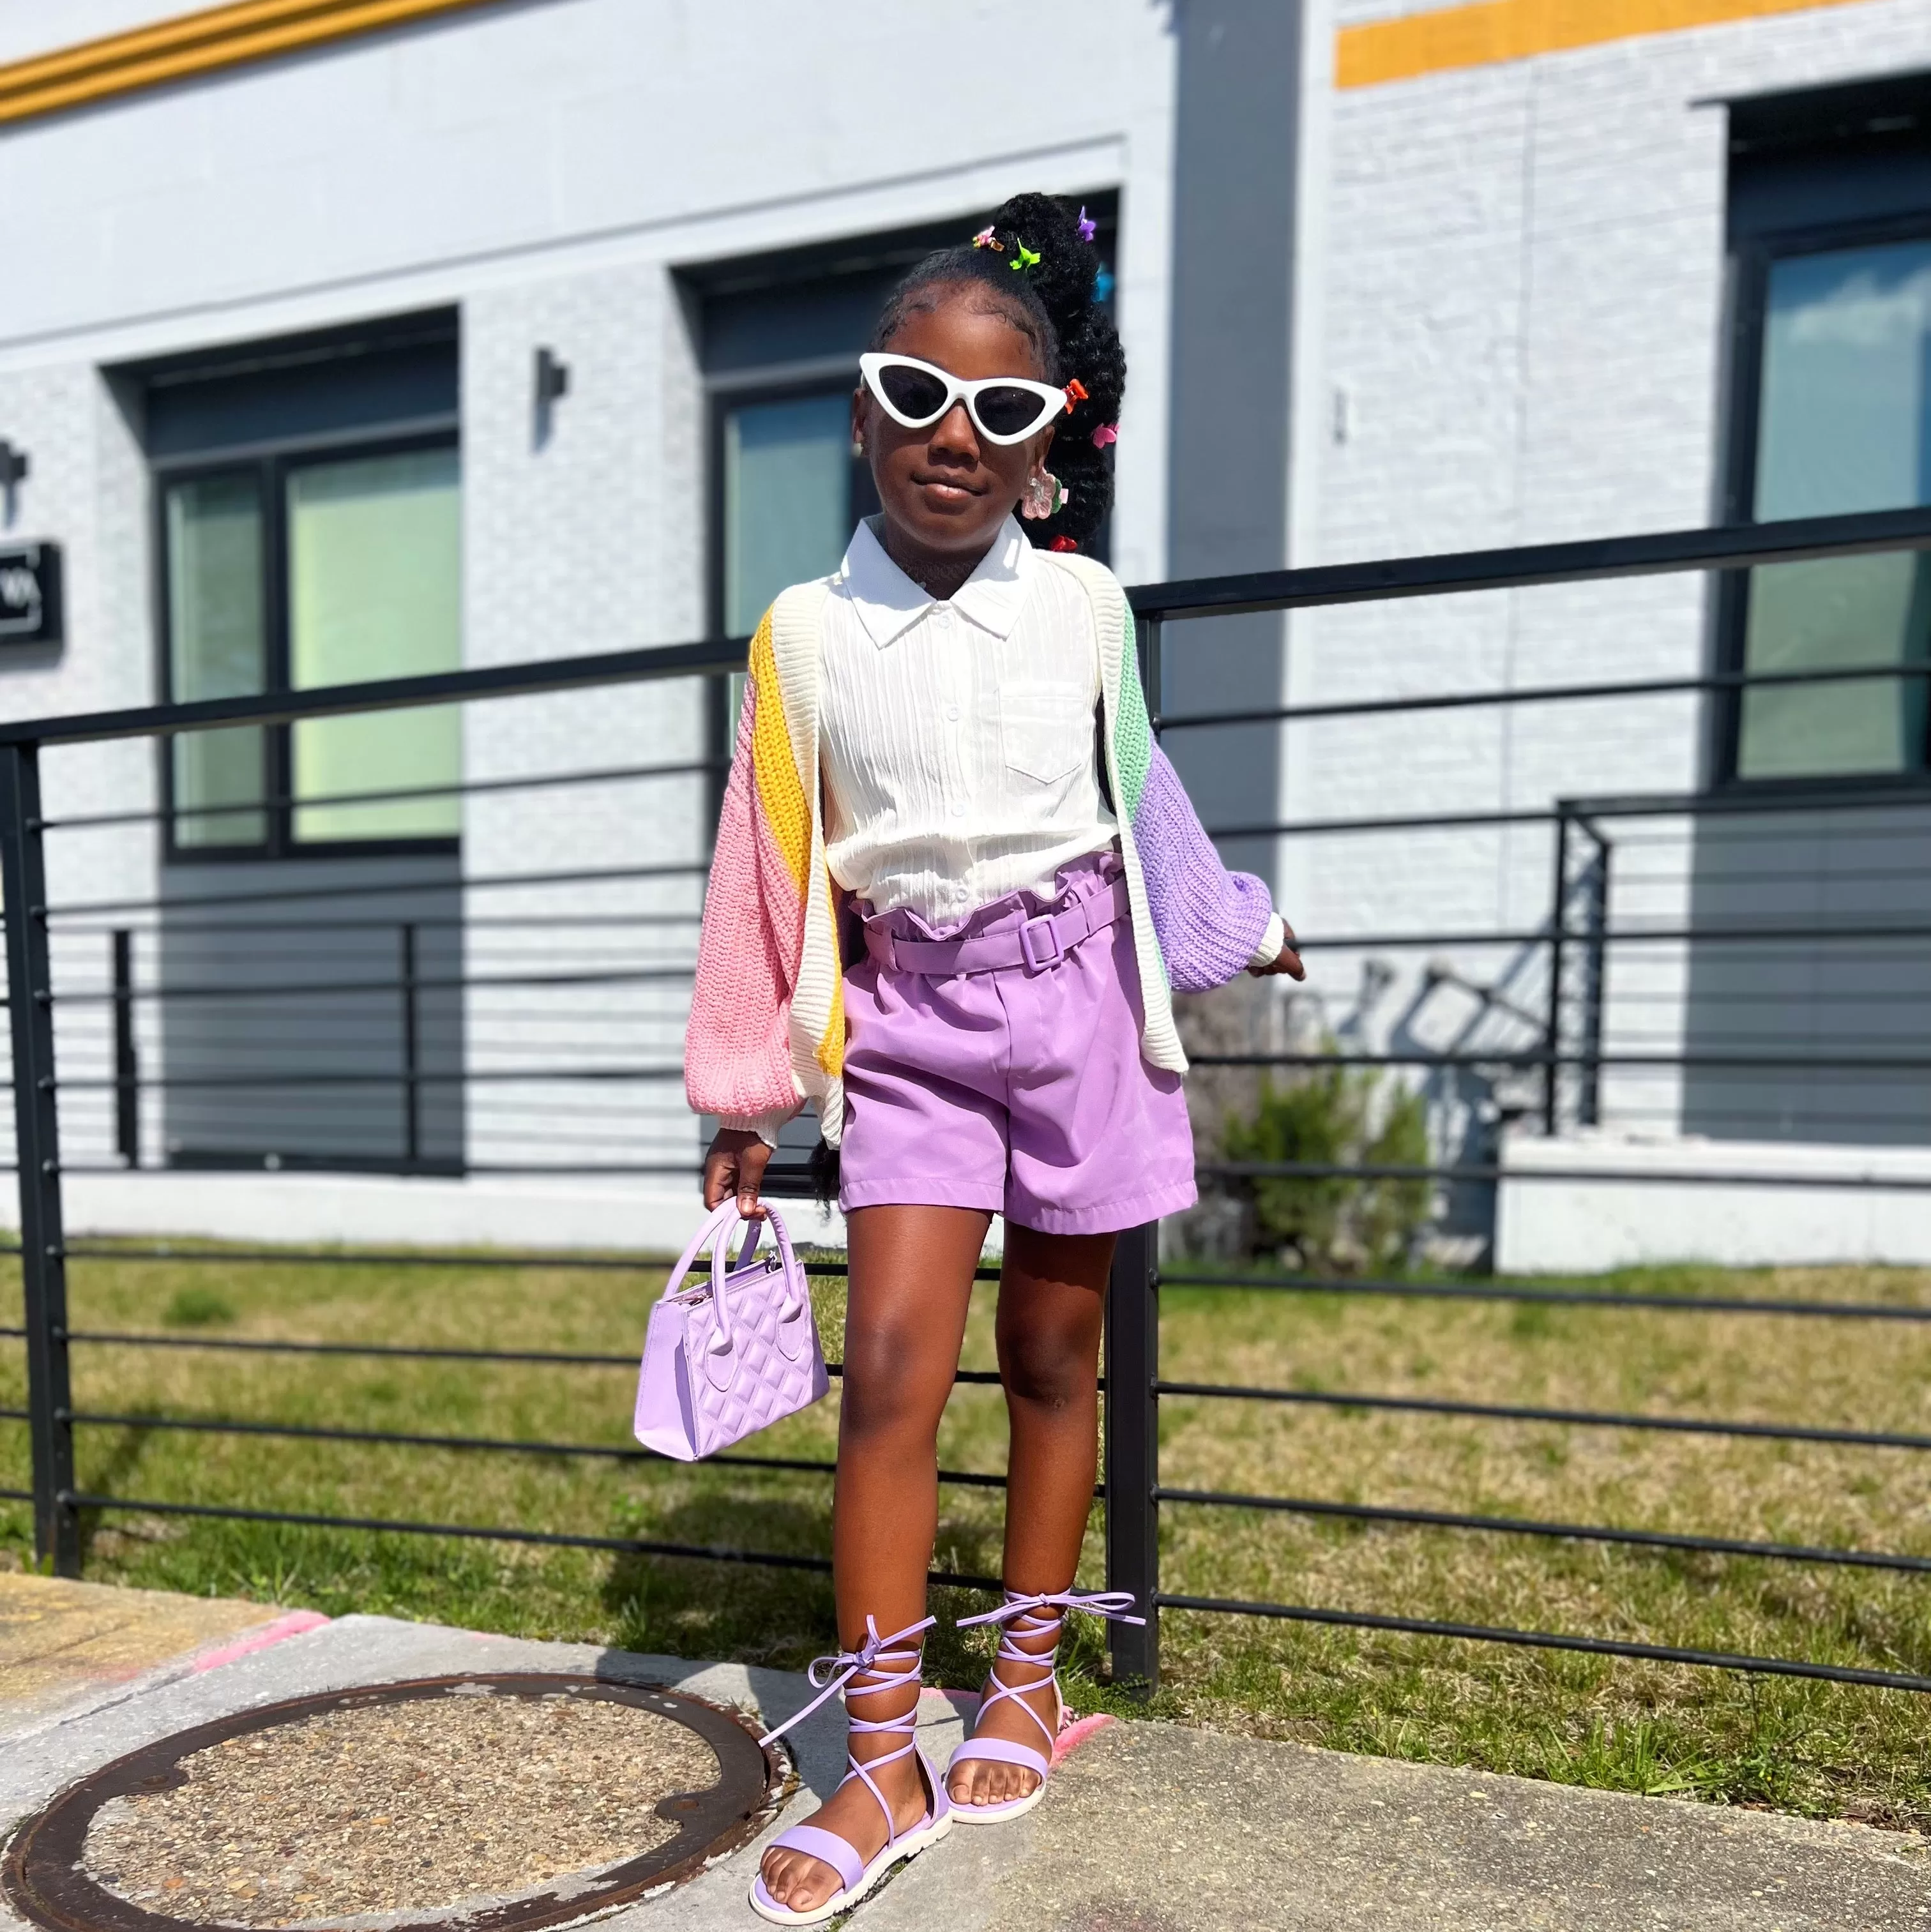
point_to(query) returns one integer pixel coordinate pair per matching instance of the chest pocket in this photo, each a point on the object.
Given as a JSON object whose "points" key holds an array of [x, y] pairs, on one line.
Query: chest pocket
{"points": [[1046, 730]]}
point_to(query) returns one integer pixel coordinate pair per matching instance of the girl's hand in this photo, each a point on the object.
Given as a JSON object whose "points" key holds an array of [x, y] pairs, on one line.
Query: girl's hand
{"points": [[736, 1162], [1285, 961]]}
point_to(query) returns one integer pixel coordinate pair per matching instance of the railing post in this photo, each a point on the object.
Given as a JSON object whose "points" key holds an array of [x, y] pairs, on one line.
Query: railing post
{"points": [[412, 1084], [1133, 1451], [126, 1066], [1595, 972], [42, 1243], [1558, 918]]}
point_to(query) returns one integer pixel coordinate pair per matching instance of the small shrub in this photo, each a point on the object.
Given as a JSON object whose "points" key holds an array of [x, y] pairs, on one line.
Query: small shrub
{"points": [[198, 1308], [1339, 1116]]}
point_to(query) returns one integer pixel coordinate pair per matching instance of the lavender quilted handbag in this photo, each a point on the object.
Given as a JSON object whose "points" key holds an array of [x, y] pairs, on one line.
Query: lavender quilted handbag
{"points": [[731, 1356]]}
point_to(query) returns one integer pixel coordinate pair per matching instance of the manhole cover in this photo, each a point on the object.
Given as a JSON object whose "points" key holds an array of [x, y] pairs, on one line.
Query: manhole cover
{"points": [[494, 1804]]}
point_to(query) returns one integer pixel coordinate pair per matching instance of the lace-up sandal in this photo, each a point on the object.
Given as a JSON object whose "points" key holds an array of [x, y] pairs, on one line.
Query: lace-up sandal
{"points": [[1030, 1617], [886, 1663]]}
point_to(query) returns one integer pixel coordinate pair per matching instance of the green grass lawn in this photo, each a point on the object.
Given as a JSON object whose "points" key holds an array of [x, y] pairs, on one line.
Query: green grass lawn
{"points": [[1817, 1748]]}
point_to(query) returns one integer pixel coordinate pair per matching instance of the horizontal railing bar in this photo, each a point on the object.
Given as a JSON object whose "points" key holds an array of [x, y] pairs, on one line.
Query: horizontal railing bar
{"points": [[535, 922], [527, 679], [1536, 693], [429, 982], [394, 1258], [462, 788], [1874, 797], [1572, 1532], [1729, 547], [1580, 1418], [487, 882], [1264, 1170], [394, 1076], [500, 1445], [16, 1495], [1616, 935], [1800, 539], [1565, 1297], [1878, 1062], [1593, 1646], [405, 1352], [555, 1539]]}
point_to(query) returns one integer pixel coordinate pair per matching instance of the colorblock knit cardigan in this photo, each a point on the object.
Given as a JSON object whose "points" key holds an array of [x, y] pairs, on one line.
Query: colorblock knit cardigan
{"points": [[767, 1015]]}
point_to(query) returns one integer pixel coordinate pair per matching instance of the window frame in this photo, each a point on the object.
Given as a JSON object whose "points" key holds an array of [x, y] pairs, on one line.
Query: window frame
{"points": [[1753, 260], [270, 464]]}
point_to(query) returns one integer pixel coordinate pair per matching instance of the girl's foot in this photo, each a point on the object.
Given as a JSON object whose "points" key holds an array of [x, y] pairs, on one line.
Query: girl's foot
{"points": [[982, 1781], [802, 1882]]}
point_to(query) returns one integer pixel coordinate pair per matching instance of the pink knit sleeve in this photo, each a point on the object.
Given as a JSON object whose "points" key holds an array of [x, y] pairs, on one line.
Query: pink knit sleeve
{"points": [[737, 1059]]}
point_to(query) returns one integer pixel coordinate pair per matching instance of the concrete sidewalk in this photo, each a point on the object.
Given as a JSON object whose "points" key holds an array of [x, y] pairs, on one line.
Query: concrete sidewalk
{"points": [[1149, 1828]]}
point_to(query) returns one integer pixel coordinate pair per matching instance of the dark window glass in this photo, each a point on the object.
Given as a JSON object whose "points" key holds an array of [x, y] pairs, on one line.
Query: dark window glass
{"points": [[1843, 424]]}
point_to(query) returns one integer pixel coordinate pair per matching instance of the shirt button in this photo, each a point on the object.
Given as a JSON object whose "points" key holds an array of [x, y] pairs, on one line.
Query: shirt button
{"points": [[952, 712], [959, 807]]}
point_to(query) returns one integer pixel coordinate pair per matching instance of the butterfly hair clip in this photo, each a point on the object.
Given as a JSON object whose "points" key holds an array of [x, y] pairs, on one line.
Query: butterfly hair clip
{"points": [[1023, 257], [1088, 228], [1107, 433], [986, 238], [1075, 392]]}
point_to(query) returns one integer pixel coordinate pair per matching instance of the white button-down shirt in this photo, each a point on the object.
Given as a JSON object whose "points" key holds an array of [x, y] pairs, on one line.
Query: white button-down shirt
{"points": [[959, 736]]}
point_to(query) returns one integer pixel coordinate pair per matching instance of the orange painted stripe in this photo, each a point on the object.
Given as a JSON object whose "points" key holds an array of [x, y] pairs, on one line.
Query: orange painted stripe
{"points": [[1492, 30], [193, 44]]}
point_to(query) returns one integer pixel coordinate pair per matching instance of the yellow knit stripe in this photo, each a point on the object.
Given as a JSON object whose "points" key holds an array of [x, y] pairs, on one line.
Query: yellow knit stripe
{"points": [[831, 1045], [781, 799], [191, 45], [1488, 31]]}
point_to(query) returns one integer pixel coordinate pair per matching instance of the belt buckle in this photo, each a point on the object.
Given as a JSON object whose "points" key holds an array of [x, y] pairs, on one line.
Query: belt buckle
{"points": [[1035, 961]]}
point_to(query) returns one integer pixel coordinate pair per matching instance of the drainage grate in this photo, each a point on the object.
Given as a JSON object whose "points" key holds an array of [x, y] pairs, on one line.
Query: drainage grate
{"points": [[487, 1804]]}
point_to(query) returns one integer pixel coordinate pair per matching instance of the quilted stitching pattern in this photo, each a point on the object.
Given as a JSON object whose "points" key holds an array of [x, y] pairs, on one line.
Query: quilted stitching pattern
{"points": [[757, 1362]]}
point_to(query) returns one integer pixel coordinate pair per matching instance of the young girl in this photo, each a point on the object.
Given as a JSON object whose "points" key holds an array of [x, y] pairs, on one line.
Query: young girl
{"points": [[948, 739]]}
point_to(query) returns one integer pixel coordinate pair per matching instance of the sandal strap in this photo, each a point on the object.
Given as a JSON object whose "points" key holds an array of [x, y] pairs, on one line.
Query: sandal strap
{"points": [[1026, 1614], [885, 1663]]}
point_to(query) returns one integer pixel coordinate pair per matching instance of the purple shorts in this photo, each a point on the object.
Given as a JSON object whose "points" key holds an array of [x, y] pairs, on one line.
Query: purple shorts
{"points": [[1020, 1092]]}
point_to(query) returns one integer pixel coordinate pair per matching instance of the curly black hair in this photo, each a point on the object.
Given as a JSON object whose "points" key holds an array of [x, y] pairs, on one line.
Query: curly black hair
{"points": [[1051, 302]]}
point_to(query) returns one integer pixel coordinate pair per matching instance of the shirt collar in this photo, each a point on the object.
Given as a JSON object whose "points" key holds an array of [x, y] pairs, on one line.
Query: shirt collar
{"points": [[889, 603]]}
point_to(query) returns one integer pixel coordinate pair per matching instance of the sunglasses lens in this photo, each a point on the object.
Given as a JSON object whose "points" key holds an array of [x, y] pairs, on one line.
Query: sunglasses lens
{"points": [[914, 392], [1009, 411]]}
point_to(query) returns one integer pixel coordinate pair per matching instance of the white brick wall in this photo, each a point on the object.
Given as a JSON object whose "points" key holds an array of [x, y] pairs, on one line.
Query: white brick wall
{"points": [[543, 168], [1513, 275]]}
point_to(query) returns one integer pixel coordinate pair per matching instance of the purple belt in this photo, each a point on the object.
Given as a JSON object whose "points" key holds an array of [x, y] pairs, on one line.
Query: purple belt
{"points": [[1041, 942]]}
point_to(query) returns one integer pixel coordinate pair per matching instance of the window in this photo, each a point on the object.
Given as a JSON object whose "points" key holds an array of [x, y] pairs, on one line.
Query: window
{"points": [[1843, 424], [1833, 370], [326, 551]]}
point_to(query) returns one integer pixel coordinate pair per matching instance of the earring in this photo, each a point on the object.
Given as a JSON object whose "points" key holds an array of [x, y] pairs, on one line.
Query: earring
{"points": [[858, 446], [1042, 495]]}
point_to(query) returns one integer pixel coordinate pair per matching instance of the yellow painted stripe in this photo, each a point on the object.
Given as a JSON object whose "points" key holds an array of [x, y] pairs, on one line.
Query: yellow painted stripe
{"points": [[1491, 30], [193, 44]]}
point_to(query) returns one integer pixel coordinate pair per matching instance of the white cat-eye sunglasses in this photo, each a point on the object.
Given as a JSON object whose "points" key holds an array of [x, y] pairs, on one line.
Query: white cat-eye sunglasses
{"points": [[1004, 410]]}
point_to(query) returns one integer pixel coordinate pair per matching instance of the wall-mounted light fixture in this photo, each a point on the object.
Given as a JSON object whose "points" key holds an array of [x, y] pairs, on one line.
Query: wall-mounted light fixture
{"points": [[552, 382], [14, 467]]}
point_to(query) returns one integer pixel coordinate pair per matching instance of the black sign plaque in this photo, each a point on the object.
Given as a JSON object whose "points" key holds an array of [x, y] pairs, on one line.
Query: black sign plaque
{"points": [[29, 593]]}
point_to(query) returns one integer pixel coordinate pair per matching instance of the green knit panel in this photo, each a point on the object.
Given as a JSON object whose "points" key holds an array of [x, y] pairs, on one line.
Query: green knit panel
{"points": [[1133, 733]]}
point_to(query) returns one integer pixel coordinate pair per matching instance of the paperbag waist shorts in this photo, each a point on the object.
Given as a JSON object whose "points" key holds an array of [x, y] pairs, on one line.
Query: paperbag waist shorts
{"points": [[1018, 1091]]}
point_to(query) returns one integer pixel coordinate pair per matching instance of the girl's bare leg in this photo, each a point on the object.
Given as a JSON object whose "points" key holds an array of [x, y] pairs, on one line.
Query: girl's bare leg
{"points": [[910, 1284], [1052, 1297]]}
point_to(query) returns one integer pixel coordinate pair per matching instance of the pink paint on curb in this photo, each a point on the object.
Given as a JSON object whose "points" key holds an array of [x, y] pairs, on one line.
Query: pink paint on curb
{"points": [[1076, 1733], [292, 1624]]}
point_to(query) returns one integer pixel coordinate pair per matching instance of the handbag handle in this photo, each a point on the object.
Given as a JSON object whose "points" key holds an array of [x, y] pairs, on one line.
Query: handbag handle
{"points": [[719, 1271]]}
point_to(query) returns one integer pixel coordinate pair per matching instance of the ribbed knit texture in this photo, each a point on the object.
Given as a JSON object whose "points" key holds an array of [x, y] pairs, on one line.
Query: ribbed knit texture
{"points": [[767, 1018]]}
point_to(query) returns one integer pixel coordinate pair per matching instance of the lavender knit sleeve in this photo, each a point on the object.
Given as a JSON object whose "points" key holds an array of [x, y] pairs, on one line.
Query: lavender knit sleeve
{"points": [[1209, 920]]}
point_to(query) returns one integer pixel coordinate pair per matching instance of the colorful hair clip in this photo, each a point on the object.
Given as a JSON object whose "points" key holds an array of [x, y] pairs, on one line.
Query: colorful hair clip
{"points": [[1107, 433], [1062, 541], [1102, 285], [1075, 392], [1088, 228], [985, 239], [1023, 257]]}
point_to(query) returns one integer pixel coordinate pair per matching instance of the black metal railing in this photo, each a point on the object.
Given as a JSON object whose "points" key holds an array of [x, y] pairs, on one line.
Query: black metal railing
{"points": [[1553, 1045]]}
